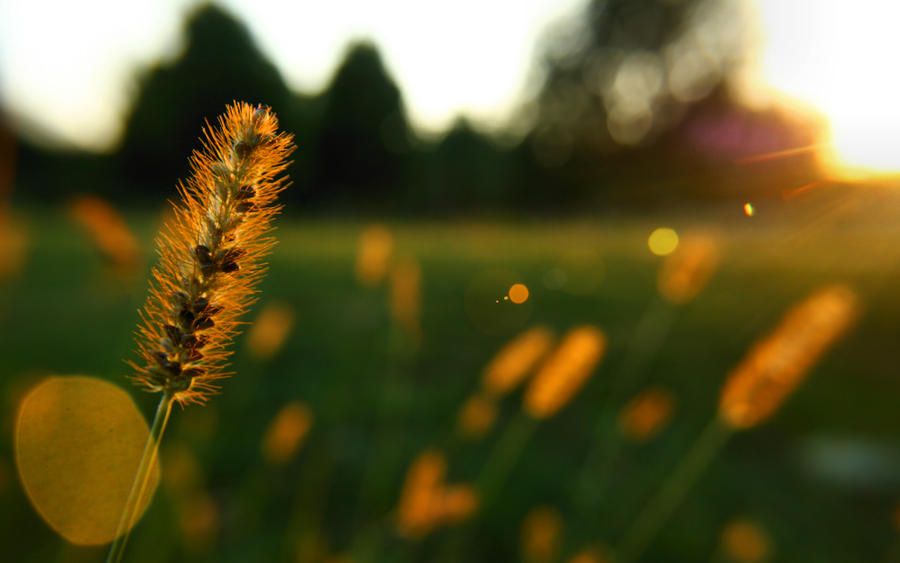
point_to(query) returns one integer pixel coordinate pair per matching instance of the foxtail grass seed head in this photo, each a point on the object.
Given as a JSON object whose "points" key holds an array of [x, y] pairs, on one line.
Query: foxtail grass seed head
{"points": [[562, 374], [109, 233], [744, 541], [373, 254], [406, 296], [687, 270], [13, 245], [269, 331], [514, 362], [541, 532], [476, 416], [286, 433], [420, 498], [211, 254], [591, 555], [457, 504], [778, 363], [647, 414]]}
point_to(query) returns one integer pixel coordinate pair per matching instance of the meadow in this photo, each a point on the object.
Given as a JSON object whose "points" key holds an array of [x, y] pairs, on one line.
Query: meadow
{"points": [[821, 478]]}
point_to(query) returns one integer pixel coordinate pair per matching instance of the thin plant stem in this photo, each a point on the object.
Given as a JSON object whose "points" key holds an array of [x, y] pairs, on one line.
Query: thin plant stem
{"points": [[672, 492], [503, 458], [594, 475], [141, 478]]}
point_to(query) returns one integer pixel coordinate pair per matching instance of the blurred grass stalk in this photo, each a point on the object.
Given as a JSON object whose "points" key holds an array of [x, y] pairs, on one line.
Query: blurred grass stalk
{"points": [[681, 277], [773, 368]]}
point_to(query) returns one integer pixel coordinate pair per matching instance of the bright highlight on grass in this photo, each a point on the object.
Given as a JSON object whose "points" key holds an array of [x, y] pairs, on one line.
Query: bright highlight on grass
{"points": [[663, 241]]}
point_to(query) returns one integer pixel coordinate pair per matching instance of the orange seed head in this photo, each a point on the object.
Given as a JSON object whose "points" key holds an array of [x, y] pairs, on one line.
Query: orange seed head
{"points": [[211, 253]]}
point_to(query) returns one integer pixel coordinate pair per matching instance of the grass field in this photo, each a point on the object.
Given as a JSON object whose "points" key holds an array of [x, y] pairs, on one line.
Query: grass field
{"points": [[822, 477]]}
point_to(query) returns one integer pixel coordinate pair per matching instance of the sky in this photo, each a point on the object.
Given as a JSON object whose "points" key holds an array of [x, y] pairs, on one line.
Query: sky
{"points": [[68, 68]]}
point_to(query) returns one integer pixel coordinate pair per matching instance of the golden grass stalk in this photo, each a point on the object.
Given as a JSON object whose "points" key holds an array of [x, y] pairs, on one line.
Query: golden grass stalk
{"points": [[778, 363], [760, 384], [211, 253], [565, 371], [686, 271], [109, 233], [647, 414], [373, 254], [541, 531], [514, 362], [477, 416]]}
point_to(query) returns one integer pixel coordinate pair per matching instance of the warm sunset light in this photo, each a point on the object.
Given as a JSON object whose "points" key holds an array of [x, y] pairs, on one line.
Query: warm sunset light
{"points": [[836, 58]]}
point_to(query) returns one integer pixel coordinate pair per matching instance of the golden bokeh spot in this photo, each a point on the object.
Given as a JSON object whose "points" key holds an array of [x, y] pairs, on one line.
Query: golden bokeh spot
{"points": [[476, 416], [518, 293], [565, 371], [748, 209], [646, 415], [286, 433], [375, 246], [271, 328], [541, 532], [662, 241], [745, 541], [78, 442]]}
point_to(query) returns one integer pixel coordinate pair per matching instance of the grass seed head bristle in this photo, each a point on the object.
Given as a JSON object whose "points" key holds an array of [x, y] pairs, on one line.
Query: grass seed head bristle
{"points": [[514, 362], [779, 363], [211, 253], [565, 371]]}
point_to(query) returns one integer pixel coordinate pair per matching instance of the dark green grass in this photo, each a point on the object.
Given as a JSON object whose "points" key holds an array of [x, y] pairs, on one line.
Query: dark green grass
{"points": [[378, 401]]}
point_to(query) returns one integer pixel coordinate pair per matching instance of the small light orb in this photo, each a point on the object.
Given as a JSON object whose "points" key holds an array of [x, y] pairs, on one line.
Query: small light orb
{"points": [[748, 209], [663, 241], [518, 293]]}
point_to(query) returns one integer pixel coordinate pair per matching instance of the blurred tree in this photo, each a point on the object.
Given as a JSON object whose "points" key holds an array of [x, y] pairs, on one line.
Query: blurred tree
{"points": [[364, 140], [220, 63], [620, 76], [466, 170]]}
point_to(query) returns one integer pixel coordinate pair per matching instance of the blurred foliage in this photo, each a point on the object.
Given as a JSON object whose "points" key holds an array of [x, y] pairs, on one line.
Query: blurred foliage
{"points": [[632, 110]]}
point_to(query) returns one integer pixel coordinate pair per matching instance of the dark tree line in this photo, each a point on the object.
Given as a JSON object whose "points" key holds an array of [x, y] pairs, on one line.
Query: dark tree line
{"points": [[357, 151]]}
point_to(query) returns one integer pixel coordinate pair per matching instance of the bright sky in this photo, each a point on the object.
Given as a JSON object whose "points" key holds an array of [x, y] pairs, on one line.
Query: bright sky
{"points": [[68, 67], [838, 58]]}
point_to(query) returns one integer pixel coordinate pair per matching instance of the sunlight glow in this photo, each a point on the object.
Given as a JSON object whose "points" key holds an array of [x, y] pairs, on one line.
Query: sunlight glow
{"points": [[837, 58]]}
